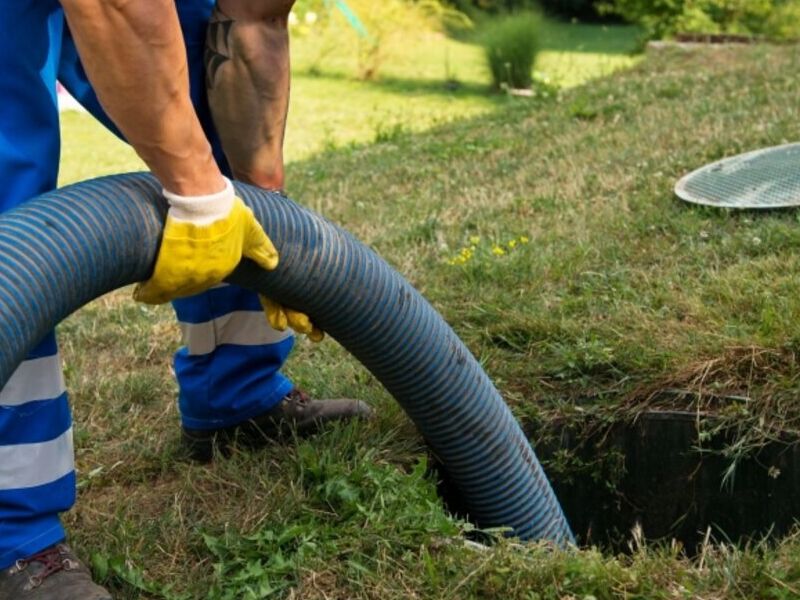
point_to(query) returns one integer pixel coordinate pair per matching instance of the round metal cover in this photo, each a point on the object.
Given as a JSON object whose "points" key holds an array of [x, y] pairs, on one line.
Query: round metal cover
{"points": [[766, 178]]}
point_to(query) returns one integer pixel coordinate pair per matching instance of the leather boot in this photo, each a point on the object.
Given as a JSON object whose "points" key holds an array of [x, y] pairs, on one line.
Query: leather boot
{"points": [[296, 412], [55, 573]]}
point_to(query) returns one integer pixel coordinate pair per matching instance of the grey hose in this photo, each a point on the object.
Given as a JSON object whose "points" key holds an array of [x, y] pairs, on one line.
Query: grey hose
{"points": [[65, 248]]}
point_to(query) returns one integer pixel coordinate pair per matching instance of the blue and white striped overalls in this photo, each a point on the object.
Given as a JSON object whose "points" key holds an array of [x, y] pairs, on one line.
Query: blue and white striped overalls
{"points": [[228, 368]]}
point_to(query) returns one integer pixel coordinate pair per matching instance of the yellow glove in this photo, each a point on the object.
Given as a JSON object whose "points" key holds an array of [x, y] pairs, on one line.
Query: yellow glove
{"points": [[204, 239], [280, 318]]}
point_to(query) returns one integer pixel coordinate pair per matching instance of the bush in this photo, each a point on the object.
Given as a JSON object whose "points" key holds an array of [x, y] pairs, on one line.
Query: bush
{"points": [[776, 19], [510, 44], [784, 22]]}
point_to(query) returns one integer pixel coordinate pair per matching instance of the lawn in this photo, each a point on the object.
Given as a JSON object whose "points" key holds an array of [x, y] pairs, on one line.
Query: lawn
{"points": [[588, 287], [414, 91]]}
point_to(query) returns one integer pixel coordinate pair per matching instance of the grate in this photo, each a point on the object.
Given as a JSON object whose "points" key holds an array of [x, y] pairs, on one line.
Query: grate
{"points": [[766, 178]]}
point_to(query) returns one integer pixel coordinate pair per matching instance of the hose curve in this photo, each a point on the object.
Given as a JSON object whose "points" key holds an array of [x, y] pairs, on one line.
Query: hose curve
{"points": [[67, 247]]}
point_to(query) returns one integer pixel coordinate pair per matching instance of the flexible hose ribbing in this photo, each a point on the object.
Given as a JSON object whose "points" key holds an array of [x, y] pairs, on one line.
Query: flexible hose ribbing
{"points": [[67, 247]]}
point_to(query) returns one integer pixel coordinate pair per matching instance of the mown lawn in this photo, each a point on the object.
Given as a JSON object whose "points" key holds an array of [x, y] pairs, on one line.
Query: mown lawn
{"points": [[588, 287]]}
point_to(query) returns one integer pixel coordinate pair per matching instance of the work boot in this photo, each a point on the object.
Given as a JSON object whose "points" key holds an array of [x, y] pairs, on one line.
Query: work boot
{"points": [[52, 574], [296, 412]]}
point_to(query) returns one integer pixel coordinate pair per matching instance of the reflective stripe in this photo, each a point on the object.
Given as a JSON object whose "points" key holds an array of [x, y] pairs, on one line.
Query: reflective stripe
{"points": [[30, 465], [243, 328], [216, 302], [36, 379]]}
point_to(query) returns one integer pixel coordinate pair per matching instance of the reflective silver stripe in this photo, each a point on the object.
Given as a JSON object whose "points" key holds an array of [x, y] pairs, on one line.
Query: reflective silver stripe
{"points": [[29, 465], [245, 328], [35, 379]]}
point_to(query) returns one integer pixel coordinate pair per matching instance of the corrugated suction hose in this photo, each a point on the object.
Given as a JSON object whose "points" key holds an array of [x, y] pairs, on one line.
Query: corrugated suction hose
{"points": [[67, 247]]}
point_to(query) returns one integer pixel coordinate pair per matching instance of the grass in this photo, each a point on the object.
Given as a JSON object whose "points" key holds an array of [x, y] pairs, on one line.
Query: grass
{"points": [[433, 80], [620, 291], [430, 81]]}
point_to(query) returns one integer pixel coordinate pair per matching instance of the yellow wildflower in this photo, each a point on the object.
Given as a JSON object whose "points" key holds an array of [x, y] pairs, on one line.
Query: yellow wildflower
{"points": [[474, 240], [512, 243], [523, 239], [498, 251]]}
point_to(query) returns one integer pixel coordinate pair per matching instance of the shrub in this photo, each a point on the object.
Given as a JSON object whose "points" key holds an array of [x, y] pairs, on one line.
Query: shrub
{"points": [[510, 43], [776, 19], [784, 22]]}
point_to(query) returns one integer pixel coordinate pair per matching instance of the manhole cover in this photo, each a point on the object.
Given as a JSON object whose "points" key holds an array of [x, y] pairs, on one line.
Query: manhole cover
{"points": [[767, 178]]}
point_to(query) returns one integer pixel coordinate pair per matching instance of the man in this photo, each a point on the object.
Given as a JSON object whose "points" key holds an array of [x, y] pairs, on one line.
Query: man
{"points": [[135, 56]]}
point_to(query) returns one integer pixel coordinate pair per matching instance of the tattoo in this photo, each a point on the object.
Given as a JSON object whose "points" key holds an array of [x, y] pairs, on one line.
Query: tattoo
{"points": [[217, 51]]}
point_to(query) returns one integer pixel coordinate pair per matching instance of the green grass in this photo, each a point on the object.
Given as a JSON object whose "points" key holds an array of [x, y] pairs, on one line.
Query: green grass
{"points": [[428, 80], [619, 291]]}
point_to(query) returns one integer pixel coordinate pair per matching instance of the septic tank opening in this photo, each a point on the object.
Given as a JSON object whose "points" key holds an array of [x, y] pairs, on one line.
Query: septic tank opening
{"points": [[656, 474]]}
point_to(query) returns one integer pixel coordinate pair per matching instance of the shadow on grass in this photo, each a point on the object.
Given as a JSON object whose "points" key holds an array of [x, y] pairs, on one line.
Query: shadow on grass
{"points": [[590, 38], [408, 85], [557, 37]]}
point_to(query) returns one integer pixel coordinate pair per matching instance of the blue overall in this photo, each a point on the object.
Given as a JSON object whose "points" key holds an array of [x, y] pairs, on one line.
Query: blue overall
{"points": [[228, 368]]}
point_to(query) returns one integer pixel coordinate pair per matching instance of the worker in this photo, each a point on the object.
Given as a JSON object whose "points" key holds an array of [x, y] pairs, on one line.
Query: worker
{"points": [[200, 92]]}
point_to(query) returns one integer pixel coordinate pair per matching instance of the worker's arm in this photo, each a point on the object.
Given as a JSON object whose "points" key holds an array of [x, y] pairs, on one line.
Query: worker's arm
{"points": [[247, 75], [134, 56]]}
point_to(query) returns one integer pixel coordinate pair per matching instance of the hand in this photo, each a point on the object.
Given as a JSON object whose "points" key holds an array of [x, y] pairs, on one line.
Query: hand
{"points": [[280, 318], [204, 239]]}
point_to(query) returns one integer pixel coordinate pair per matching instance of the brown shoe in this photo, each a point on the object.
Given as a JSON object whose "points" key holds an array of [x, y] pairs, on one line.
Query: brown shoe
{"points": [[296, 412], [52, 574]]}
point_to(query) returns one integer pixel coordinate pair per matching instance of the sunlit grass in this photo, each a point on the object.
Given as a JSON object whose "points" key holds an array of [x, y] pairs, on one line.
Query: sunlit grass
{"points": [[433, 79], [430, 80]]}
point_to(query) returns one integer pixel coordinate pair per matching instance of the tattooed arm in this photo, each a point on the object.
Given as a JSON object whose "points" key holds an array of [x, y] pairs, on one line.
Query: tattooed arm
{"points": [[247, 74], [134, 55]]}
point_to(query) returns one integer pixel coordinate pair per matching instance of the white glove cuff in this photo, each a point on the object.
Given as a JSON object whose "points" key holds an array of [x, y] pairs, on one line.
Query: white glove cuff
{"points": [[201, 210]]}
